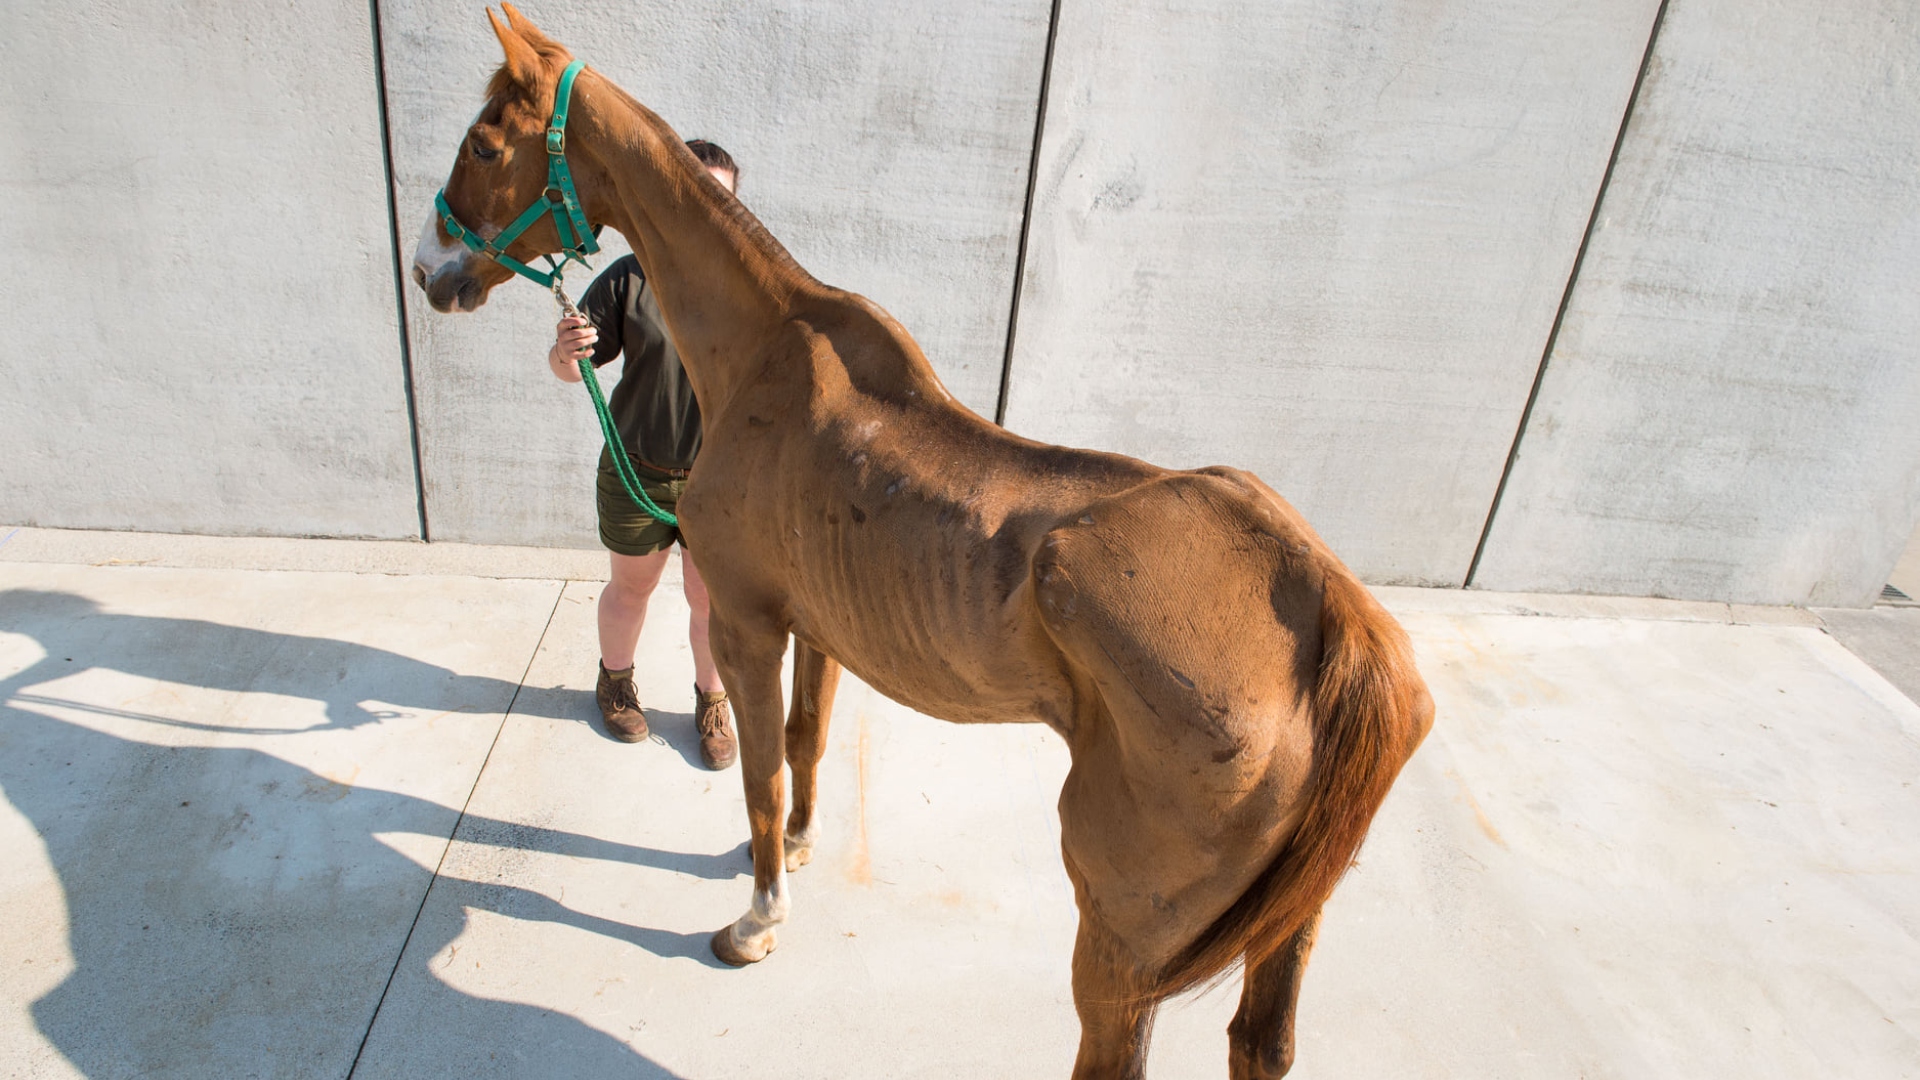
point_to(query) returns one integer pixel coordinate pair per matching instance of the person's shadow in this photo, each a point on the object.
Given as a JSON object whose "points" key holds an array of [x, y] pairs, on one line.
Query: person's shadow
{"points": [[229, 913]]}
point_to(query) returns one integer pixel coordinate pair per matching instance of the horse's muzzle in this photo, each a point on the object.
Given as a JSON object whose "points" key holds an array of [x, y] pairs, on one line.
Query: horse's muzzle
{"points": [[451, 289]]}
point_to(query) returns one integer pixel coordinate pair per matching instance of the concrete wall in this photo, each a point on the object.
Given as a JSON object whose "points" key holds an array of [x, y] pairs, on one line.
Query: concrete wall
{"points": [[197, 311], [1732, 408], [886, 145], [1325, 241], [1321, 241]]}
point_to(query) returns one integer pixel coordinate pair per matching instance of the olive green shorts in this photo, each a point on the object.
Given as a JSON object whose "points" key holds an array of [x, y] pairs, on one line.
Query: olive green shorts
{"points": [[625, 529]]}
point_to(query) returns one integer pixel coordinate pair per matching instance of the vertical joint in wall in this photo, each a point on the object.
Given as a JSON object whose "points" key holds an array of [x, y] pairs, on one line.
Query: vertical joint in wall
{"points": [[1566, 295], [399, 273], [1026, 214]]}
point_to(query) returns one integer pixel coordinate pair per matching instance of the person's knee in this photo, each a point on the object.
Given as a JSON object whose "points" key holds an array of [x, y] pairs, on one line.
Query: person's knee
{"points": [[694, 585], [634, 576]]}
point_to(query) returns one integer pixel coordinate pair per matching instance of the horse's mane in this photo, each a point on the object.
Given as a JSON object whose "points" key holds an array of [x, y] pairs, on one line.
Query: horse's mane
{"points": [[737, 212], [502, 88]]}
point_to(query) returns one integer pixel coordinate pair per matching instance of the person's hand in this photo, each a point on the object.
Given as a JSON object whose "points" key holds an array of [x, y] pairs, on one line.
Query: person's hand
{"points": [[573, 339]]}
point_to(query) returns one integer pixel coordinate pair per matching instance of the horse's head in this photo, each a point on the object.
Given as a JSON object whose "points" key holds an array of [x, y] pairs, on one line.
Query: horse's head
{"points": [[500, 170]]}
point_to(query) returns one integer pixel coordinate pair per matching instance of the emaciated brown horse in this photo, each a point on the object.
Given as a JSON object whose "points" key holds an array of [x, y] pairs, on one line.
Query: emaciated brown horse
{"points": [[1236, 703]]}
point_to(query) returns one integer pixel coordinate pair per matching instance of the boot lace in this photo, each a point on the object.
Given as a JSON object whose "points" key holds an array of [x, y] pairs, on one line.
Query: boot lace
{"points": [[625, 695], [713, 717]]}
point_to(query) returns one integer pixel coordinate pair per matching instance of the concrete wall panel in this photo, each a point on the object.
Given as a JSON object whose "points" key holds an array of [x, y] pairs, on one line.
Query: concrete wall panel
{"points": [[886, 145], [1730, 410], [197, 313], [1324, 242]]}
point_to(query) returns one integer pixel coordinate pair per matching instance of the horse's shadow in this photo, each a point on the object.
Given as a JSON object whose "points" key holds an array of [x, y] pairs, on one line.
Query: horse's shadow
{"points": [[229, 913]]}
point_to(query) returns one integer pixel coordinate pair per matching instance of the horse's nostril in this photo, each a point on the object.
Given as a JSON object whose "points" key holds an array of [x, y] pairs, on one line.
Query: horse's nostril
{"points": [[419, 275]]}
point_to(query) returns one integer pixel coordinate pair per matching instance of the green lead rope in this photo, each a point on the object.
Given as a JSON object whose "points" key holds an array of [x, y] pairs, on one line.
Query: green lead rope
{"points": [[616, 446], [617, 449]]}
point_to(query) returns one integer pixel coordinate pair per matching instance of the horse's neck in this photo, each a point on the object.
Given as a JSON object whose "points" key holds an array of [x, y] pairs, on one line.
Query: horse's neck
{"points": [[724, 285]]}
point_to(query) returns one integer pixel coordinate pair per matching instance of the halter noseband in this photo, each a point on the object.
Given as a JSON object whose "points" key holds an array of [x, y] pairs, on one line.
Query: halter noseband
{"points": [[560, 200]]}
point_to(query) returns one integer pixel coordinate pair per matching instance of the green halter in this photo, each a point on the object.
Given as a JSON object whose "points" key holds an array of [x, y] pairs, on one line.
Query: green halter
{"points": [[560, 200], [576, 243]]}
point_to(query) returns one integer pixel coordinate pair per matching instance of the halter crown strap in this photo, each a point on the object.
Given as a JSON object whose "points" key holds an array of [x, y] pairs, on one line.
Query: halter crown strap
{"points": [[559, 199]]}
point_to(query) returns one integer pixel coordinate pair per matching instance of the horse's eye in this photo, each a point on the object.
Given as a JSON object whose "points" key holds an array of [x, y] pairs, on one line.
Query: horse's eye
{"points": [[484, 153]]}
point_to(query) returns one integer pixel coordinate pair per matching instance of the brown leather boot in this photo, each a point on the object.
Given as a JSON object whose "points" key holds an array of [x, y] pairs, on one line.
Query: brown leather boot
{"points": [[620, 705], [714, 718]]}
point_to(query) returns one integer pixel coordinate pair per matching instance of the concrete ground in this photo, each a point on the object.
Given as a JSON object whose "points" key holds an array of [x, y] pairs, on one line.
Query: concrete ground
{"points": [[320, 809], [1888, 635]]}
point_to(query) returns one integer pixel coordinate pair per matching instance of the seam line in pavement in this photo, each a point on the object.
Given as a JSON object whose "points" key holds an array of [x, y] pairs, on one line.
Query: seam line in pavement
{"points": [[559, 594]]}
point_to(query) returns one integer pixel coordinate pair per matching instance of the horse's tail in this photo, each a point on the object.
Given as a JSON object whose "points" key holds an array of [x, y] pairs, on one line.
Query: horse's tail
{"points": [[1370, 711]]}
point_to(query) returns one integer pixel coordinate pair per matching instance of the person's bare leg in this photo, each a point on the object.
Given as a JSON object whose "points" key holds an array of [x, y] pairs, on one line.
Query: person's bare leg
{"points": [[706, 677], [712, 716], [623, 606], [623, 610]]}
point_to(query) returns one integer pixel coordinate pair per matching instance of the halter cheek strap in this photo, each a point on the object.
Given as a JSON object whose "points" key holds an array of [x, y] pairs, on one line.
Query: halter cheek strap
{"points": [[560, 200], [576, 243]]}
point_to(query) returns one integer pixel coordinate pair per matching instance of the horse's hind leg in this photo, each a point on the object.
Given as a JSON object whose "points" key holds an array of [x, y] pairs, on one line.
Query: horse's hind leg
{"points": [[815, 677], [1115, 1005], [1260, 1038]]}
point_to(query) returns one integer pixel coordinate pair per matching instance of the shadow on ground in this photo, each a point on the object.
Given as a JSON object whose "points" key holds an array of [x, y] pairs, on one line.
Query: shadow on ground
{"points": [[1887, 638], [230, 913]]}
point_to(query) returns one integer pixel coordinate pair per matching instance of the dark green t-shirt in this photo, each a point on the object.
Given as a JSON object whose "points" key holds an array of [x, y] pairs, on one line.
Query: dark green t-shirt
{"points": [[653, 406]]}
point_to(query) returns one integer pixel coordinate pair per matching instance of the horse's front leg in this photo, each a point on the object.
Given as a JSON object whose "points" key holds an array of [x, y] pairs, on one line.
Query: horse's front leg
{"points": [[748, 656]]}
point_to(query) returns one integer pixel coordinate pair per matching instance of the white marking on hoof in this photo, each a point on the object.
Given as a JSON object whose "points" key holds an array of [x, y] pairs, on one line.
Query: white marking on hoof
{"points": [[728, 949], [799, 849], [753, 935]]}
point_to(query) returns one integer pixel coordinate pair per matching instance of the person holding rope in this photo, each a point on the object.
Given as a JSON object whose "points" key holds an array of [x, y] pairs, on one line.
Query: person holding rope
{"points": [[656, 414]]}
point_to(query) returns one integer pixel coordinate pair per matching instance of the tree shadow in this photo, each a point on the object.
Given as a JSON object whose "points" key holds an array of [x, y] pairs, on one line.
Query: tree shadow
{"points": [[341, 675], [229, 913]]}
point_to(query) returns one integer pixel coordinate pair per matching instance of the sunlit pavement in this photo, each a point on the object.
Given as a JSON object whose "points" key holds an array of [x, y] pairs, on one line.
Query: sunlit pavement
{"points": [[320, 808]]}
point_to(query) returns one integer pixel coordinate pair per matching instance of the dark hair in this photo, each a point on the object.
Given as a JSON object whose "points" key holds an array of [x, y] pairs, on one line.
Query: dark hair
{"points": [[713, 157]]}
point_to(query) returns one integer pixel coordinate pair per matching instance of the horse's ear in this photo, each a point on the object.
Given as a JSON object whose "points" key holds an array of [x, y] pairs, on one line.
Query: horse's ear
{"points": [[526, 29], [523, 60]]}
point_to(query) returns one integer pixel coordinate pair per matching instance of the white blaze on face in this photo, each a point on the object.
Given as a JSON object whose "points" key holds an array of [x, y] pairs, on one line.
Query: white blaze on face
{"points": [[434, 252]]}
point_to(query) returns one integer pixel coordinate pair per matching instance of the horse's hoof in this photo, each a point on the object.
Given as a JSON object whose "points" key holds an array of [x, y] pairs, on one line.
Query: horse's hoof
{"points": [[798, 857], [731, 954]]}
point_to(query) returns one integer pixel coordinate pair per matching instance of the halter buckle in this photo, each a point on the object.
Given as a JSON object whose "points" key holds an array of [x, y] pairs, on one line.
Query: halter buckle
{"points": [[556, 140]]}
